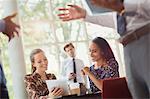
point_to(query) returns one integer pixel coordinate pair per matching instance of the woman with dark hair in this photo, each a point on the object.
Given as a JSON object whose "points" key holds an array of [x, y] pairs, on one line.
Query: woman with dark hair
{"points": [[105, 65], [35, 83]]}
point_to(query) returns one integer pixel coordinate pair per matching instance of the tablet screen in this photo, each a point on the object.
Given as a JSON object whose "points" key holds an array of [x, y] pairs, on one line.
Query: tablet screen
{"points": [[58, 83]]}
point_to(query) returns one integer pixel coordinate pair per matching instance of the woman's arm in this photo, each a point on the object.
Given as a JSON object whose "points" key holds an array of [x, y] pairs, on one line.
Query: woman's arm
{"points": [[97, 82], [30, 88]]}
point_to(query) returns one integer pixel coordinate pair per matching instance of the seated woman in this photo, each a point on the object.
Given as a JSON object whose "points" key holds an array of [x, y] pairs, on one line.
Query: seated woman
{"points": [[105, 65], [35, 83]]}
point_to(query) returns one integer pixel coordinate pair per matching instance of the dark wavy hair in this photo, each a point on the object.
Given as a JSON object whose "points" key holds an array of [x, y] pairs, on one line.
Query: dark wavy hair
{"points": [[34, 52], [105, 48]]}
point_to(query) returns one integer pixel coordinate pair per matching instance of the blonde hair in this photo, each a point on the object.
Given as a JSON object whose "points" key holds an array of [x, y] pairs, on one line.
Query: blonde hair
{"points": [[34, 52]]}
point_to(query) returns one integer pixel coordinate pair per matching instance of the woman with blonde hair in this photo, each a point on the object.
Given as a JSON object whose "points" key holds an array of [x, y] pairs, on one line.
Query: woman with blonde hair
{"points": [[35, 83]]}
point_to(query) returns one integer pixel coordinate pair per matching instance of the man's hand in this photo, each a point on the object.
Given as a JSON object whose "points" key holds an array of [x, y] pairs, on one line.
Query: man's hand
{"points": [[72, 76], [72, 13], [10, 27], [116, 5]]}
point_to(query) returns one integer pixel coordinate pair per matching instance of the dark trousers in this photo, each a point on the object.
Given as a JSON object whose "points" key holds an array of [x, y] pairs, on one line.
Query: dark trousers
{"points": [[3, 92], [3, 88]]}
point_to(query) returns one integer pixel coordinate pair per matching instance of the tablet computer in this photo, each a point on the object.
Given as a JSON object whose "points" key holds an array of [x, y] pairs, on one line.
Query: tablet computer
{"points": [[92, 9], [58, 83]]}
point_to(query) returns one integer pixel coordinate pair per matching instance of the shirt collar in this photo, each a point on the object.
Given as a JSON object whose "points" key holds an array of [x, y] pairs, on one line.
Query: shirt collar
{"points": [[71, 58]]}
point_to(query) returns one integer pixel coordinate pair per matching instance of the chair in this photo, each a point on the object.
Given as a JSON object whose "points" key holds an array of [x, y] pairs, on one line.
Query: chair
{"points": [[115, 88]]}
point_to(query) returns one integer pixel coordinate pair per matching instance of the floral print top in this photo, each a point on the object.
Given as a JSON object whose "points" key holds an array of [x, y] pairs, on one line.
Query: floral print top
{"points": [[104, 72], [35, 86]]}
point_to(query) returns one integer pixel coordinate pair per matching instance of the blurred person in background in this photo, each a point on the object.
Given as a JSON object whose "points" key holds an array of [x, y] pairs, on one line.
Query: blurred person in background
{"points": [[71, 68], [8, 28]]}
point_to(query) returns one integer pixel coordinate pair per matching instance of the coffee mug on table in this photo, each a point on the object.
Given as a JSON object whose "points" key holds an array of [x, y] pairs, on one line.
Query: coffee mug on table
{"points": [[74, 88]]}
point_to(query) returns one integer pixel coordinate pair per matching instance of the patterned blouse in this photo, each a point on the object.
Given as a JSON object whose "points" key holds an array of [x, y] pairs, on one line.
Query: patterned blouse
{"points": [[104, 72], [35, 86]]}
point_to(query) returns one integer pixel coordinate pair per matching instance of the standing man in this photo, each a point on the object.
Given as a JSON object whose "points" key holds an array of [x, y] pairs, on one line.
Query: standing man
{"points": [[135, 38], [71, 68], [8, 28]]}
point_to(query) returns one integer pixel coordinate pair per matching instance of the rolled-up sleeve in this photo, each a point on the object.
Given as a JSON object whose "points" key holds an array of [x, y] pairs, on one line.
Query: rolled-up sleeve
{"points": [[131, 5], [141, 7], [107, 19], [145, 7]]}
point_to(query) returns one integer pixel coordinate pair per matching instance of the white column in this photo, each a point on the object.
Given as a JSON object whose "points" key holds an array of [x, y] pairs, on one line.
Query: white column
{"points": [[16, 55]]}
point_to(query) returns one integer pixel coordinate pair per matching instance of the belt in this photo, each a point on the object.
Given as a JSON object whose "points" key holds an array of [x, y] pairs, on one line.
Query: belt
{"points": [[130, 37]]}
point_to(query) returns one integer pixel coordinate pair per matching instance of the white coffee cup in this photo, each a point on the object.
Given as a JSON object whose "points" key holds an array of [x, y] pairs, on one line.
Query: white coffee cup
{"points": [[74, 88]]}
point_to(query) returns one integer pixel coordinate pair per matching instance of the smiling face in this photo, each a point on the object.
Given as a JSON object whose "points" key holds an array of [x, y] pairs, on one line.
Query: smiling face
{"points": [[95, 52], [40, 62]]}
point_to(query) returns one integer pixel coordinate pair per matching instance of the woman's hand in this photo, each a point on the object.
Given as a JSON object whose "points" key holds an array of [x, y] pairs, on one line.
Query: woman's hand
{"points": [[72, 13], [56, 92], [85, 71], [72, 76]]}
